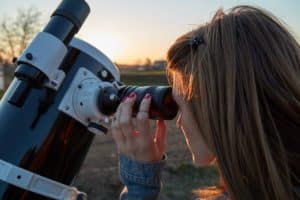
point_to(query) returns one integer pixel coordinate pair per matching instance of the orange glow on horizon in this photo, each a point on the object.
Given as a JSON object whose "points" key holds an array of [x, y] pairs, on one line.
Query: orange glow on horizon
{"points": [[120, 51]]}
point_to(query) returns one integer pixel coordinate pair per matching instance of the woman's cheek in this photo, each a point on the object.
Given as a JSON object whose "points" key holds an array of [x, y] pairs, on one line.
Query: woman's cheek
{"points": [[201, 155], [204, 159]]}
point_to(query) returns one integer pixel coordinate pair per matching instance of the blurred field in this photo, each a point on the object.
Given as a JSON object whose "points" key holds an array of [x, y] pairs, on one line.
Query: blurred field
{"points": [[99, 174], [153, 77]]}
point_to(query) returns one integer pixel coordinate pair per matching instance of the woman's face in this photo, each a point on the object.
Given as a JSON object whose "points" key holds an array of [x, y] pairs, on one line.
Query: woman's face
{"points": [[200, 153]]}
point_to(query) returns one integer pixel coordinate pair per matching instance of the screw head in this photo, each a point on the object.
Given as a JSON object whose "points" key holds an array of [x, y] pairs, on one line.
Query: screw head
{"points": [[54, 84], [29, 56], [113, 97], [104, 74]]}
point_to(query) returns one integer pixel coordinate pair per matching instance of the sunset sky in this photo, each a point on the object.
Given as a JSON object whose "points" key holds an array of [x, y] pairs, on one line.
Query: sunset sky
{"points": [[130, 31]]}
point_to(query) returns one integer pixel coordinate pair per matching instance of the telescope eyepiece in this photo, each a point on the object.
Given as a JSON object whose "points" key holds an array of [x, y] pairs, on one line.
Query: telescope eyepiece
{"points": [[74, 10], [162, 105]]}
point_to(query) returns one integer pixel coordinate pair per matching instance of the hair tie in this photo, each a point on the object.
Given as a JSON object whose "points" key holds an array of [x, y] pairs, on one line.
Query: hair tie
{"points": [[196, 41]]}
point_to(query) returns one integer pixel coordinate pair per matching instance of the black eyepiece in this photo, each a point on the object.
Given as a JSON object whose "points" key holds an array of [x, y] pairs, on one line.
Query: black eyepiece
{"points": [[162, 105], [74, 10]]}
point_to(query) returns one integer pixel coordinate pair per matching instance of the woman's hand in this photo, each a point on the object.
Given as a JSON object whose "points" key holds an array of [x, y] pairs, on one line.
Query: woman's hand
{"points": [[133, 136]]}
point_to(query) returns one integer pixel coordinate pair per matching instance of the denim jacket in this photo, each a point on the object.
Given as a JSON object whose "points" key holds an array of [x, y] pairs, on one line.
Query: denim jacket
{"points": [[142, 180]]}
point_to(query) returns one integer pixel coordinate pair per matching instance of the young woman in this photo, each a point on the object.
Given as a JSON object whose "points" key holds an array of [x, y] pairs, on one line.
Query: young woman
{"points": [[236, 80]]}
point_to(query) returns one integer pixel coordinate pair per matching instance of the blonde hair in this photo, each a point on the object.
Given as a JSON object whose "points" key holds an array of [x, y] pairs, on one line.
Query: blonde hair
{"points": [[240, 76]]}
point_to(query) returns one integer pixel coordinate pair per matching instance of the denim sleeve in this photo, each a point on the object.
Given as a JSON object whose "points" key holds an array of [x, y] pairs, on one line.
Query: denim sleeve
{"points": [[142, 180]]}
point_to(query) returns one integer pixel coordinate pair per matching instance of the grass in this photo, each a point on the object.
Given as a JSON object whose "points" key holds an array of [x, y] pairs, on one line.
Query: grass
{"points": [[189, 178], [140, 78]]}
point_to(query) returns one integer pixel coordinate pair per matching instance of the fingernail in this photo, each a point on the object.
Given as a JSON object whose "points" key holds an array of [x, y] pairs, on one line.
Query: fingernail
{"points": [[132, 95], [147, 96]]}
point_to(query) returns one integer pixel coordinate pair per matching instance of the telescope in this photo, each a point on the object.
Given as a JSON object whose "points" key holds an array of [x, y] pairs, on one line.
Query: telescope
{"points": [[64, 92]]}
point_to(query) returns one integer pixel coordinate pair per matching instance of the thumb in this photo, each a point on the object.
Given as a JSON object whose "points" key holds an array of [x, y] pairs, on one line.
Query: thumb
{"points": [[160, 135]]}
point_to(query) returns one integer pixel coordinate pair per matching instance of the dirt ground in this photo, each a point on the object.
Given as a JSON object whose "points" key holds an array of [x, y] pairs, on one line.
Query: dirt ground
{"points": [[100, 180]]}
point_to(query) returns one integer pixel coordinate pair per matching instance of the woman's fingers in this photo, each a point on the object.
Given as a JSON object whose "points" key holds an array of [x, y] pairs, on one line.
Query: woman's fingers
{"points": [[133, 135], [117, 133], [160, 135], [142, 117], [126, 116]]}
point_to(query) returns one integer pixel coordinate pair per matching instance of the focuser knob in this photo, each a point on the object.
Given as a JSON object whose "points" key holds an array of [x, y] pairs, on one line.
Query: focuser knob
{"points": [[108, 100]]}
